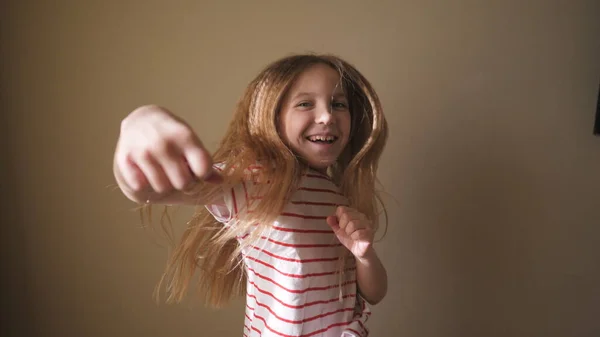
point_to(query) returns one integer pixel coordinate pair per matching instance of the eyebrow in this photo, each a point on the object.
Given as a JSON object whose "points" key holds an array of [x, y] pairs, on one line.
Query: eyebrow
{"points": [[336, 95]]}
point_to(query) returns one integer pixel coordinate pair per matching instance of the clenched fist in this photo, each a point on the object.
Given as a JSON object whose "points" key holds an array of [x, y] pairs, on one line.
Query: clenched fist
{"points": [[353, 229], [158, 154]]}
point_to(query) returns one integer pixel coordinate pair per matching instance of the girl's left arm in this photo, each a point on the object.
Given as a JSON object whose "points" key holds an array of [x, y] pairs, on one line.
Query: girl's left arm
{"points": [[371, 277], [356, 233]]}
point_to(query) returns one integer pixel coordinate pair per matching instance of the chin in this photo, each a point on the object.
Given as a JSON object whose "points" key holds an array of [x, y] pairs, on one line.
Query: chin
{"points": [[319, 163]]}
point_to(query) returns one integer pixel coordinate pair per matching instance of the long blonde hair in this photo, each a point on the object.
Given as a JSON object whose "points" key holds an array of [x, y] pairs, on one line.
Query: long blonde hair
{"points": [[252, 136]]}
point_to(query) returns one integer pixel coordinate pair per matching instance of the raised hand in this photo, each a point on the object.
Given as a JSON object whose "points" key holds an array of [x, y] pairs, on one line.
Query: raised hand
{"points": [[353, 229]]}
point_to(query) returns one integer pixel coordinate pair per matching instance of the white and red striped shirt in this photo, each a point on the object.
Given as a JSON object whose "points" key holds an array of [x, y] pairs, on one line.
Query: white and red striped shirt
{"points": [[293, 286]]}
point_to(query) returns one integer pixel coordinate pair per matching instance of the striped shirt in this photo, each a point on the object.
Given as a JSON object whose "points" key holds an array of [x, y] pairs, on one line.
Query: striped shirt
{"points": [[293, 279]]}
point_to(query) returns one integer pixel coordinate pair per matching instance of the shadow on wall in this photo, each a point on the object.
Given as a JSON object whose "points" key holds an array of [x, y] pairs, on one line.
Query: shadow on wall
{"points": [[597, 121], [480, 207], [13, 244]]}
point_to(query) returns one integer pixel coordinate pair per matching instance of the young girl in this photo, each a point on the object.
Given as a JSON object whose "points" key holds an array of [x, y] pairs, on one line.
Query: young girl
{"points": [[287, 204]]}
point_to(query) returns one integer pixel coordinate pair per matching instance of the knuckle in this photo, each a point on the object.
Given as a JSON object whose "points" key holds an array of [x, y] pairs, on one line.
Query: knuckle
{"points": [[162, 146], [181, 182], [351, 224], [178, 184], [145, 154], [203, 169], [185, 134], [161, 187], [136, 185]]}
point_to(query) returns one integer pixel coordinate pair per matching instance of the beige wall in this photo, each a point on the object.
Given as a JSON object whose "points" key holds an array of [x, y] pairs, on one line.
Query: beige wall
{"points": [[491, 155]]}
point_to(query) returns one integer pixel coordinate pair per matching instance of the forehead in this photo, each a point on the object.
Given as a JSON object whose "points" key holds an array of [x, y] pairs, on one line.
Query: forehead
{"points": [[319, 78]]}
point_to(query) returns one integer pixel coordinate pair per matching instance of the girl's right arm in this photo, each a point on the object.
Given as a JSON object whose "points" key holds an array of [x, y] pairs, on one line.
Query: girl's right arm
{"points": [[158, 157]]}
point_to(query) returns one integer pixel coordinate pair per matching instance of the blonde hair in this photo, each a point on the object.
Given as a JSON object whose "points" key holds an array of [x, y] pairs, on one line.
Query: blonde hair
{"points": [[252, 136]]}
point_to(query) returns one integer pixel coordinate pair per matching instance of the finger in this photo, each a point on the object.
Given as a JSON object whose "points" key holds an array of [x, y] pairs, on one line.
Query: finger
{"points": [[132, 175], [343, 220], [354, 214], [362, 235], [333, 223], [351, 212], [355, 225], [176, 169], [154, 173], [346, 217], [341, 210], [200, 163], [137, 177]]}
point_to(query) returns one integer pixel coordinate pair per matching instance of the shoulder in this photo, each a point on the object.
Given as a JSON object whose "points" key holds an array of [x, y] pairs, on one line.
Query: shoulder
{"points": [[237, 191]]}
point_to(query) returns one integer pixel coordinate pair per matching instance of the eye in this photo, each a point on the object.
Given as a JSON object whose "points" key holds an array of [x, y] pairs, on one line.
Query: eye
{"points": [[304, 104], [339, 105]]}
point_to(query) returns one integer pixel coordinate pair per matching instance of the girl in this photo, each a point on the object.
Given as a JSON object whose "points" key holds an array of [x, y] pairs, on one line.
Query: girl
{"points": [[287, 204]]}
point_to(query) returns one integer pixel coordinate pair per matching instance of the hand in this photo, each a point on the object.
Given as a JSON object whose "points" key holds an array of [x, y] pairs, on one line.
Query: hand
{"points": [[353, 229], [158, 153]]}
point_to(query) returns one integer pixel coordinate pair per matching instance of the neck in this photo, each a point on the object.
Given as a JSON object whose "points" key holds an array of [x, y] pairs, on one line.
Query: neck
{"points": [[320, 170]]}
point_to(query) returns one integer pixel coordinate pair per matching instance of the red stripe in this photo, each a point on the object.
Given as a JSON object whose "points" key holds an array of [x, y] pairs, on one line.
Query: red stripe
{"points": [[303, 216], [255, 329], [313, 203], [363, 326], [252, 327], [295, 275], [300, 245], [245, 191], [320, 190], [356, 332], [335, 299], [235, 209], [300, 291], [299, 321], [253, 315], [305, 335], [296, 230], [294, 260]]}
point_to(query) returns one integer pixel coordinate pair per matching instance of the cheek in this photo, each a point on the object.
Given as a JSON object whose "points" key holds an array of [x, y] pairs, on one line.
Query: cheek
{"points": [[282, 125], [286, 128], [346, 123]]}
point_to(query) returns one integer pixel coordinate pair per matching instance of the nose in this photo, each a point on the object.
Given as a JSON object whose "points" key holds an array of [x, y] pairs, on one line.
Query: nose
{"points": [[323, 115]]}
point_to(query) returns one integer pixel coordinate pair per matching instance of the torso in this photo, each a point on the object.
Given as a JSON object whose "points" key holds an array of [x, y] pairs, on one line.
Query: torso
{"points": [[293, 286]]}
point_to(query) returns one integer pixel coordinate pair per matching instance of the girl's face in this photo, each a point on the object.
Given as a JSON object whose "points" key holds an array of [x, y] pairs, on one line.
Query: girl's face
{"points": [[314, 119]]}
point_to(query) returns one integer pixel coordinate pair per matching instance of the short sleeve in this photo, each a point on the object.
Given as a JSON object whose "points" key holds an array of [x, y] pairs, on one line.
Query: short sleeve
{"points": [[233, 202]]}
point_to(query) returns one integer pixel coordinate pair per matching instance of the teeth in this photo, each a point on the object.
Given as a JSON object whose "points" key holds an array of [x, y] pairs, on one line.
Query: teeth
{"points": [[322, 138]]}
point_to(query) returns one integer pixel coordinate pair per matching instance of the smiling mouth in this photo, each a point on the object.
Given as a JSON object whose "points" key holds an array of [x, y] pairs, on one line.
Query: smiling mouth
{"points": [[322, 139]]}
